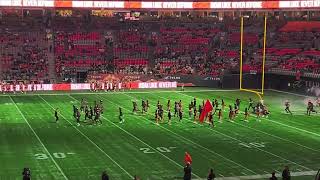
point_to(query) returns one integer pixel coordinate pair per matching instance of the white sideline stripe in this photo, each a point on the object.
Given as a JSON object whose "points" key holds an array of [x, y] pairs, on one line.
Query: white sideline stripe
{"points": [[138, 139], [44, 147], [89, 140], [196, 143], [119, 92], [257, 147], [265, 176]]}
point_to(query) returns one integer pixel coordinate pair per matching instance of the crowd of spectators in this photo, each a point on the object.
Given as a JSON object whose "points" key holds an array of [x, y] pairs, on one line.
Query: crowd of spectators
{"points": [[159, 47]]}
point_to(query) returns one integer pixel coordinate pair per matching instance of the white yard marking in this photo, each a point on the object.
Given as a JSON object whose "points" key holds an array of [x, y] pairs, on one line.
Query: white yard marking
{"points": [[255, 147], [209, 150], [36, 135], [138, 139], [131, 176]]}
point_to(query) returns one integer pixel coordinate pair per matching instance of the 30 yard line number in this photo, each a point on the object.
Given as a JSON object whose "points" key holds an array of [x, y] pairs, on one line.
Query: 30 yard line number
{"points": [[57, 155], [147, 150]]}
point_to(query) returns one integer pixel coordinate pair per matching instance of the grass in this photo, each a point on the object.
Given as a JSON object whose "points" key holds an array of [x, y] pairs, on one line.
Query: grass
{"points": [[30, 138]]}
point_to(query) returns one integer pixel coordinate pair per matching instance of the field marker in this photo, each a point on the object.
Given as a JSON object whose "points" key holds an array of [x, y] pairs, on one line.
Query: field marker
{"points": [[44, 147], [277, 137], [255, 147], [138, 139], [191, 140], [89, 139]]}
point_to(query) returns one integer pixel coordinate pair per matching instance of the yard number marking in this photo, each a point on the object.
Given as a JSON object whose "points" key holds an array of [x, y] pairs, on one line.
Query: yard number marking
{"points": [[147, 150], [253, 145], [57, 155]]}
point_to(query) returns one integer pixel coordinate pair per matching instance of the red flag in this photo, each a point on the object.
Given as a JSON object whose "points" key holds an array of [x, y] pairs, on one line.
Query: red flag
{"points": [[206, 109], [187, 158]]}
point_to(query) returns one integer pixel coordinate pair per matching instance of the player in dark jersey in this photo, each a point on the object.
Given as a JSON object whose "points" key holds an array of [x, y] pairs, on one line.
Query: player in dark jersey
{"points": [[169, 117], [250, 104], [97, 115], [210, 118], [310, 108], [147, 104], [143, 106], [195, 102], [223, 105], [168, 105], [78, 115], [231, 113], [238, 101], [176, 107], [156, 114], [74, 111], [56, 112], [220, 115], [287, 107], [195, 114], [86, 112], [135, 108], [160, 113], [246, 114], [101, 107], [91, 113], [190, 110], [216, 103], [180, 114], [121, 119], [236, 109], [82, 104], [200, 110]]}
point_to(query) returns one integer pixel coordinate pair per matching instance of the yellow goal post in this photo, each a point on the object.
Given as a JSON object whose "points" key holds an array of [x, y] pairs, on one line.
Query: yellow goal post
{"points": [[257, 92]]}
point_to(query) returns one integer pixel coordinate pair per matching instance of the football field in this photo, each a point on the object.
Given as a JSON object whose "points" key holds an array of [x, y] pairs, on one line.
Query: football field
{"points": [[29, 137]]}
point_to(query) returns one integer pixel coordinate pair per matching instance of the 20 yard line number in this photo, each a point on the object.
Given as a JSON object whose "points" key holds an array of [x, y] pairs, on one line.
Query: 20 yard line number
{"points": [[147, 150], [253, 145], [57, 155]]}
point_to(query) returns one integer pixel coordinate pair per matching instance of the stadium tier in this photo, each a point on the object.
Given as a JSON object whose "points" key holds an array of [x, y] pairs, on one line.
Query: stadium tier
{"points": [[159, 90]]}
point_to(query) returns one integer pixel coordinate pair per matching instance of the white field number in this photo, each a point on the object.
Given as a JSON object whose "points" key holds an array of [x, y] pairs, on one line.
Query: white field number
{"points": [[253, 145], [57, 155], [147, 150]]}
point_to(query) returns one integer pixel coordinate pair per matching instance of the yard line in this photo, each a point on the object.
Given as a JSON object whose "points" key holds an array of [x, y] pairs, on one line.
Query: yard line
{"points": [[283, 139], [193, 141], [254, 146], [293, 127], [44, 147], [138, 139], [273, 135], [89, 140]]}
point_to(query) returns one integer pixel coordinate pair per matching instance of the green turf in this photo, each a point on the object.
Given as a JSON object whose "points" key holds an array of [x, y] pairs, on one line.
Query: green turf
{"points": [[30, 138]]}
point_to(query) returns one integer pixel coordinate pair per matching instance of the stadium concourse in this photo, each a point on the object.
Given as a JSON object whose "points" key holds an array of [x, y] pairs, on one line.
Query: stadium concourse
{"points": [[134, 116]]}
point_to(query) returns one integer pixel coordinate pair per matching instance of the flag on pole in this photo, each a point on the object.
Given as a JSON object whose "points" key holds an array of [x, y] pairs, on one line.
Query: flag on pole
{"points": [[206, 109], [187, 158]]}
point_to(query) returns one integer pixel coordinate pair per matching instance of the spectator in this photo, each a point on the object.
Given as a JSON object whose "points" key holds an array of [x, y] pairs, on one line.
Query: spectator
{"points": [[211, 175], [104, 176], [286, 173], [273, 176], [187, 172]]}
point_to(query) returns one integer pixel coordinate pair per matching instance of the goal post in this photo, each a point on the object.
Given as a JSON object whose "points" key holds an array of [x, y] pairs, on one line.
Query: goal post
{"points": [[259, 92]]}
